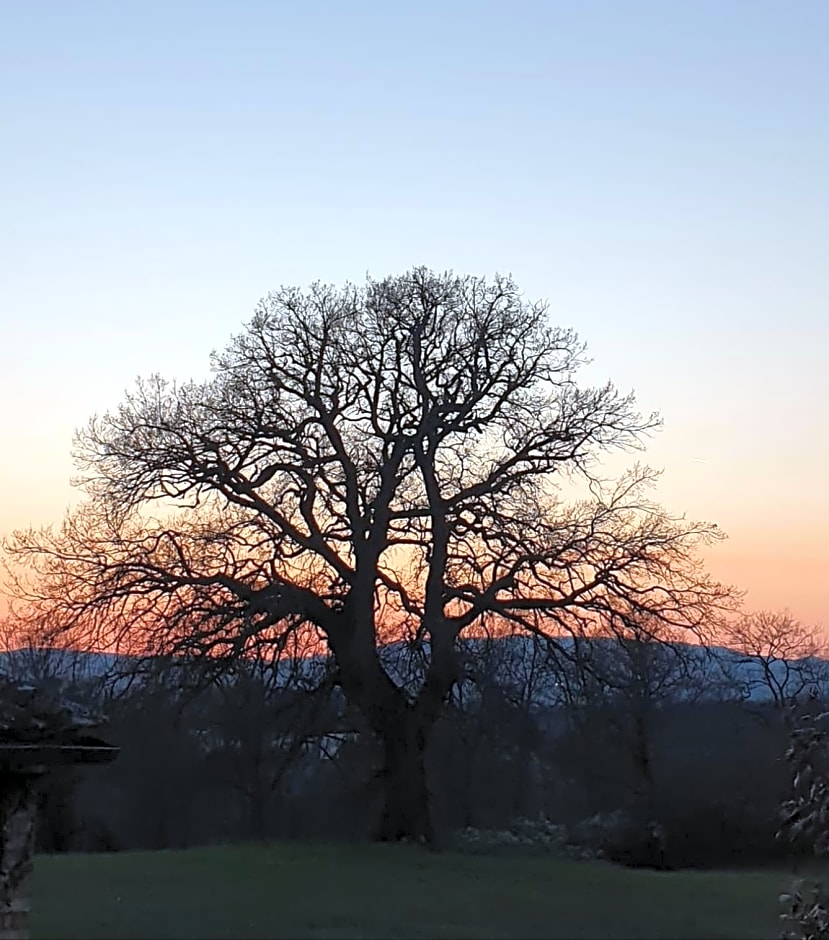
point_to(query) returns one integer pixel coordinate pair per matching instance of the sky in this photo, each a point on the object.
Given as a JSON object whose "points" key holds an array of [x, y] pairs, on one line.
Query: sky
{"points": [[656, 171]]}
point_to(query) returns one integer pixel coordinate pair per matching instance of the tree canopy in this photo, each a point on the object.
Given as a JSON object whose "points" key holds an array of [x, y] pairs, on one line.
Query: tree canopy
{"points": [[367, 463]]}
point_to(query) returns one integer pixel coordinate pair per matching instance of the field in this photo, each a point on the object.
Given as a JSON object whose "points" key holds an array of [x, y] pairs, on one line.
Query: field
{"points": [[383, 891]]}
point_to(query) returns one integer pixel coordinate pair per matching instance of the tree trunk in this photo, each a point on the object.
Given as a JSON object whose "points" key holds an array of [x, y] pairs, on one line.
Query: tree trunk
{"points": [[406, 815], [403, 729]]}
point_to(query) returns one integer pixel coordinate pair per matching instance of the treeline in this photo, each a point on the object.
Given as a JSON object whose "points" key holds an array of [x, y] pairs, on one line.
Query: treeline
{"points": [[656, 737]]}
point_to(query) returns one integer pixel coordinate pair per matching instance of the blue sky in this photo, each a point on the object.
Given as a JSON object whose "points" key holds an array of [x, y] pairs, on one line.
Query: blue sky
{"points": [[657, 171]]}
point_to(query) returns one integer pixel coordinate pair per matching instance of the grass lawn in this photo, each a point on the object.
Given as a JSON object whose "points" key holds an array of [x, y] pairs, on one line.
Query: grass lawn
{"points": [[387, 891]]}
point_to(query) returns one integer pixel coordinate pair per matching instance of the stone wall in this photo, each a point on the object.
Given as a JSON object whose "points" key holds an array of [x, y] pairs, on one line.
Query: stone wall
{"points": [[18, 809]]}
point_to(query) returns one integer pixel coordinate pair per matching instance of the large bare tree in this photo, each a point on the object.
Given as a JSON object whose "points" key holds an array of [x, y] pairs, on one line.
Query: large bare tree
{"points": [[392, 460]]}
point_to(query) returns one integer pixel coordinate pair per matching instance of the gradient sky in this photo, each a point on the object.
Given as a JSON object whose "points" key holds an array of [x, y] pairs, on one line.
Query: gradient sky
{"points": [[657, 171]]}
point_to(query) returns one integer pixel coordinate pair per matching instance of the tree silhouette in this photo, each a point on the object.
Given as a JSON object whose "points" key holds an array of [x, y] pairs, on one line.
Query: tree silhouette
{"points": [[389, 461]]}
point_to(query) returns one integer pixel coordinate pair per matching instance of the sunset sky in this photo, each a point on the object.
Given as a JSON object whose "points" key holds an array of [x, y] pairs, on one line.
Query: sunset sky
{"points": [[657, 171]]}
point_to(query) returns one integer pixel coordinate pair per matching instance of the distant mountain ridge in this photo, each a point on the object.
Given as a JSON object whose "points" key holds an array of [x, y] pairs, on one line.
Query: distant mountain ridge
{"points": [[516, 661]]}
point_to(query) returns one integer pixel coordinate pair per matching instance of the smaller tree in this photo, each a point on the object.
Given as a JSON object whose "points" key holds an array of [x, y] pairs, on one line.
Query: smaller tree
{"points": [[620, 690], [258, 718], [778, 656]]}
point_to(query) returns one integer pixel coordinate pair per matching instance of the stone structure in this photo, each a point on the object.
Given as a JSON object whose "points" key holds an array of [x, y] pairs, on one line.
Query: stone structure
{"points": [[38, 731]]}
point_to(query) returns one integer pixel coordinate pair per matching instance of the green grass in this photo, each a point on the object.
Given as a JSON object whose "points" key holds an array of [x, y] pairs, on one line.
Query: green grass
{"points": [[384, 891]]}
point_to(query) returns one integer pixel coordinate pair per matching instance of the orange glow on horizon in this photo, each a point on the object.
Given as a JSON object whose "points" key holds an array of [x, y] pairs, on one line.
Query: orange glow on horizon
{"points": [[798, 582]]}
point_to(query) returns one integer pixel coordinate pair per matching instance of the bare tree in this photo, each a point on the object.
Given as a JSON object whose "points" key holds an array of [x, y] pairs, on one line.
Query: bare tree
{"points": [[785, 658], [620, 689], [35, 652], [259, 718], [365, 463]]}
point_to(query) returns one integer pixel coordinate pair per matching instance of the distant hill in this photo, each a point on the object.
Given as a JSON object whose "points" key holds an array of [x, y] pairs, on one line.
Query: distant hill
{"points": [[518, 664]]}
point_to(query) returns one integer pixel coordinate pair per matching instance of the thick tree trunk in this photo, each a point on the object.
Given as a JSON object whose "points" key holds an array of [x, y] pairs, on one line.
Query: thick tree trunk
{"points": [[403, 729], [406, 814]]}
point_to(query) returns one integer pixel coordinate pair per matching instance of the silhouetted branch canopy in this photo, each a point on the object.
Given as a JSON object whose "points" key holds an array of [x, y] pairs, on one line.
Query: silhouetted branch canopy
{"points": [[390, 457]]}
